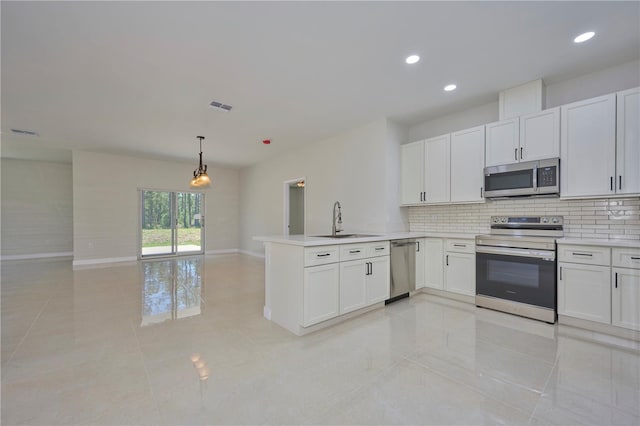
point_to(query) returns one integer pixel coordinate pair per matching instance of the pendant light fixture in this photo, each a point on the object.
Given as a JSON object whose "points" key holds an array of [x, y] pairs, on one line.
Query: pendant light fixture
{"points": [[200, 179]]}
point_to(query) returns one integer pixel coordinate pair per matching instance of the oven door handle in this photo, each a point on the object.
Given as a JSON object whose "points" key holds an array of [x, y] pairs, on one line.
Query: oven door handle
{"points": [[508, 251]]}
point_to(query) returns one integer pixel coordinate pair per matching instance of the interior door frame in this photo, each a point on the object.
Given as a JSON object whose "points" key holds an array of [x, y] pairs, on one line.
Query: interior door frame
{"points": [[286, 184], [174, 217]]}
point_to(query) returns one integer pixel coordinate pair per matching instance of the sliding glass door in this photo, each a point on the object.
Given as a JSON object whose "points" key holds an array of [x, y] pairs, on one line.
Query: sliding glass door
{"points": [[171, 223]]}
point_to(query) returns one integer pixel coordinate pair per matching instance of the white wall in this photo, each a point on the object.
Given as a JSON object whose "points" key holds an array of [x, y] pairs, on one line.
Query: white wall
{"points": [[106, 203], [353, 168], [609, 80], [37, 205]]}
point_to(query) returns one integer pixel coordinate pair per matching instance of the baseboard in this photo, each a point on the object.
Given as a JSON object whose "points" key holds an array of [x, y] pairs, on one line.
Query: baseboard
{"points": [[90, 262], [223, 251], [37, 256], [252, 253]]}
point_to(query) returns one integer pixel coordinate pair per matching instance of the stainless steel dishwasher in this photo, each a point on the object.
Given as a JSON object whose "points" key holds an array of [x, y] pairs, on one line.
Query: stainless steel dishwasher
{"points": [[403, 268]]}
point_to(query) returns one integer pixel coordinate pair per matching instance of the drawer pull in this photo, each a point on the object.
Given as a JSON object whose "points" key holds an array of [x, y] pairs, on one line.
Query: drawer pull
{"points": [[354, 251], [323, 255], [380, 248], [582, 254], [459, 245], [635, 258]]}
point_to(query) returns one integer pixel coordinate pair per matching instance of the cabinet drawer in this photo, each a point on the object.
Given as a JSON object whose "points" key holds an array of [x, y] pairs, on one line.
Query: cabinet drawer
{"points": [[460, 246], [591, 255], [320, 255], [626, 257], [380, 248], [353, 251]]}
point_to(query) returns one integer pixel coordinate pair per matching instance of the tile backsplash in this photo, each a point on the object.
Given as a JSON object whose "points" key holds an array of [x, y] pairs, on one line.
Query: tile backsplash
{"points": [[607, 218]]}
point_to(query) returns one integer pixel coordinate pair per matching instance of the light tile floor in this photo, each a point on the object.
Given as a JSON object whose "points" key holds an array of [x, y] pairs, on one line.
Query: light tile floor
{"points": [[116, 345]]}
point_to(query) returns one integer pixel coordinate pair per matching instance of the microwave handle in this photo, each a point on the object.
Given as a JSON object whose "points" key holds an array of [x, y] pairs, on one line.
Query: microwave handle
{"points": [[535, 178]]}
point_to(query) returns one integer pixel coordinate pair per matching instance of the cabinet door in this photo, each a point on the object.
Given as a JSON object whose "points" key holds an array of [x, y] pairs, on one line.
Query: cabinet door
{"points": [[411, 174], [379, 280], [437, 154], [353, 290], [420, 263], [434, 273], [460, 273], [587, 145], [584, 291], [628, 142], [321, 293], [467, 164], [540, 135], [625, 295], [503, 142]]}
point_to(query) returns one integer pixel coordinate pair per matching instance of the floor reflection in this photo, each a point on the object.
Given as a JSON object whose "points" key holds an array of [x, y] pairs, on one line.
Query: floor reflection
{"points": [[172, 289]]}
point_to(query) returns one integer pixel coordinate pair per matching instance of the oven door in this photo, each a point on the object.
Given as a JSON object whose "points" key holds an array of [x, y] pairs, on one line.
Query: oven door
{"points": [[520, 275]]}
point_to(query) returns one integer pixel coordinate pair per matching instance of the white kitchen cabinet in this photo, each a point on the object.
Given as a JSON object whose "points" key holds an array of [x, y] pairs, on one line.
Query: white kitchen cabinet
{"points": [[363, 282], [421, 260], [460, 267], [353, 290], [625, 298], [588, 151], [467, 163], [584, 291], [502, 143], [628, 142], [321, 293], [540, 135], [530, 137], [437, 155], [412, 173], [434, 263], [378, 280]]}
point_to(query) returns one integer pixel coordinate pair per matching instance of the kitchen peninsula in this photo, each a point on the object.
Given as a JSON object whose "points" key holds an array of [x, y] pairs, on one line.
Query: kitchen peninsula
{"points": [[312, 282]]}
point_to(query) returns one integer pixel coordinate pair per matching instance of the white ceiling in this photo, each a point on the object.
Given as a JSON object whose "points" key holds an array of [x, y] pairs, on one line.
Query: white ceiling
{"points": [[137, 77]]}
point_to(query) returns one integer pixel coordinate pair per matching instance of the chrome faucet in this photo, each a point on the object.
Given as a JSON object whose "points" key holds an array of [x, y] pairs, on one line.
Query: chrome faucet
{"points": [[337, 226]]}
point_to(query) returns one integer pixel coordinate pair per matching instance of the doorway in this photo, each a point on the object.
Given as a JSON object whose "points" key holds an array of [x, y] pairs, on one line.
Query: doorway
{"points": [[171, 223], [294, 206]]}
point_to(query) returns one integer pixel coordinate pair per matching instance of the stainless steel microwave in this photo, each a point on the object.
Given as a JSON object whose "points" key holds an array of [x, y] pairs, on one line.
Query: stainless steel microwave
{"points": [[524, 179]]}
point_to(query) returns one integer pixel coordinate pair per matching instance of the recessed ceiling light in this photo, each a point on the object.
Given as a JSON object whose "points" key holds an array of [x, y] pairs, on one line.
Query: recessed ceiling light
{"points": [[450, 87], [584, 37], [412, 59]]}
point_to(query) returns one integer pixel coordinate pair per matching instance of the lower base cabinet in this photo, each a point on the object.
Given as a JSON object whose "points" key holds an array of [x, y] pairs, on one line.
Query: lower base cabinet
{"points": [[434, 263], [460, 273], [363, 282], [584, 291], [321, 293], [625, 295]]}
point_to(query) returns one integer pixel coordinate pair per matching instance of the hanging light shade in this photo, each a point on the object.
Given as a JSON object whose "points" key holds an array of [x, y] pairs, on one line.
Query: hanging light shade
{"points": [[200, 178]]}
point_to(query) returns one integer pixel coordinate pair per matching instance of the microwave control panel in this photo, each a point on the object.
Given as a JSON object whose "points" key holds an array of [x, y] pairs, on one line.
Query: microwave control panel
{"points": [[547, 176]]}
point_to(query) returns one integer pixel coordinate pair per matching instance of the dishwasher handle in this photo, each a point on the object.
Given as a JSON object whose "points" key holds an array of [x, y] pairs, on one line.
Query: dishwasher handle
{"points": [[410, 243]]}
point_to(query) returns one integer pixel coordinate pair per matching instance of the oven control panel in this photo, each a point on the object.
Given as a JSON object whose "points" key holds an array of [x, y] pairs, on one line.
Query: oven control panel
{"points": [[526, 221]]}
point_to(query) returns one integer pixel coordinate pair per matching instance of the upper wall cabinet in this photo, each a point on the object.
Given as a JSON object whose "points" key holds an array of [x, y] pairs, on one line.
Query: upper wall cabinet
{"points": [[437, 169], [412, 173], [425, 171], [467, 163], [588, 166], [540, 135], [628, 142], [447, 168], [530, 137], [503, 142]]}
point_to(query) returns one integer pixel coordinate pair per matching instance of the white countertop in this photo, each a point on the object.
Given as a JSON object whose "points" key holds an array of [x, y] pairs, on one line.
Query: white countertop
{"points": [[309, 241], [599, 242]]}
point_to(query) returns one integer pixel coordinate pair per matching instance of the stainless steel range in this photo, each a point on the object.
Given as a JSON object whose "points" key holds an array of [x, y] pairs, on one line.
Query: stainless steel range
{"points": [[516, 266]]}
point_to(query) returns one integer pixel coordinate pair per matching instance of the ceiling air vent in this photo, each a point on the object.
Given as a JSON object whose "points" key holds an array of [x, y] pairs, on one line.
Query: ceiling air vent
{"points": [[220, 106], [24, 132]]}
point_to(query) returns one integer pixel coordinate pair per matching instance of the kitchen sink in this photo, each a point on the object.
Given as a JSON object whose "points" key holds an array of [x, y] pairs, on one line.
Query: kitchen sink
{"points": [[346, 236]]}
